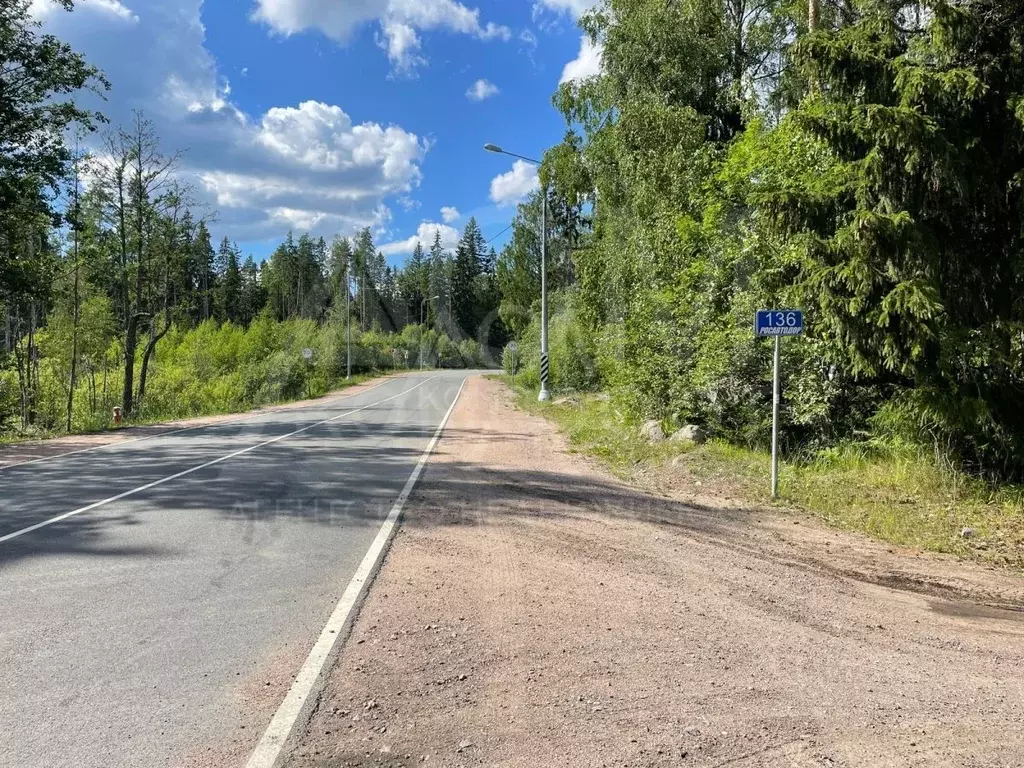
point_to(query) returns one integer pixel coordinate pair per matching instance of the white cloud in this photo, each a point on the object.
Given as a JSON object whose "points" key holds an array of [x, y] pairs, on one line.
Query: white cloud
{"points": [[304, 166], [335, 19], [481, 89], [43, 9], [586, 64], [511, 187], [425, 234], [400, 22], [574, 8], [450, 214], [527, 37], [402, 43]]}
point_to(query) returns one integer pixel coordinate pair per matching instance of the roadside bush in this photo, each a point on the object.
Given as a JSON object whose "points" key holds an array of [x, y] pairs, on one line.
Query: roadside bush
{"points": [[222, 368], [511, 361], [571, 349]]}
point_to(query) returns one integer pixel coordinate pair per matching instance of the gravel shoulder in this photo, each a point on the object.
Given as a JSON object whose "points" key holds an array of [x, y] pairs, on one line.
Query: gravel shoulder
{"points": [[535, 611]]}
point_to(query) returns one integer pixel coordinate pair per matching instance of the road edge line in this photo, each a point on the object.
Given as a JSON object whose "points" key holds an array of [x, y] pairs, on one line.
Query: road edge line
{"points": [[271, 745]]}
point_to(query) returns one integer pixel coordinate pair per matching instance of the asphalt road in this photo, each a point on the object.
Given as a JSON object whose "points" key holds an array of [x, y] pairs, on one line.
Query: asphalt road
{"points": [[163, 628]]}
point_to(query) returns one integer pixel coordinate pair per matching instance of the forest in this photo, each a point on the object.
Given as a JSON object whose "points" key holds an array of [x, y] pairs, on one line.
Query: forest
{"points": [[860, 159], [114, 296]]}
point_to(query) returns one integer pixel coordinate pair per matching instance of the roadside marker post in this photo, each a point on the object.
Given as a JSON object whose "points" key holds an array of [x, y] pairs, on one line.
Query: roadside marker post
{"points": [[307, 354], [777, 323], [513, 348]]}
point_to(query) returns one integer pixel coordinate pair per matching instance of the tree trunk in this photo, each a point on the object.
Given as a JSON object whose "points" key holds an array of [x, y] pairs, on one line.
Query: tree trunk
{"points": [[130, 323], [8, 333], [75, 211], [20, 367], [32, 364], [131, 344], [813, 7], [150, 348], [74, 342]]}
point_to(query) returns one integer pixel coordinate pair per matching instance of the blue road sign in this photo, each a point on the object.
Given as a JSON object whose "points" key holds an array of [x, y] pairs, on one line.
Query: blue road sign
{"points": [[779, 322]]}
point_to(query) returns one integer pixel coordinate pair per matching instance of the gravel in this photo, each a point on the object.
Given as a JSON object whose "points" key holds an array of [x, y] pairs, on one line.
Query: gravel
{"points": [[600, 625]]}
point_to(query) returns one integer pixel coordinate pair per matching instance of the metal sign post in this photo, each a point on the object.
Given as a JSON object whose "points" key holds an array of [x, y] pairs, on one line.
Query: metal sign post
{"points": [[777, 323], [513, 348]]}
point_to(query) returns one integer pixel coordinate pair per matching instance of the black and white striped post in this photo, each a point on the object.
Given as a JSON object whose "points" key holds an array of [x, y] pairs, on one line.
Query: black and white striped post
{"points": [[545, 393]]}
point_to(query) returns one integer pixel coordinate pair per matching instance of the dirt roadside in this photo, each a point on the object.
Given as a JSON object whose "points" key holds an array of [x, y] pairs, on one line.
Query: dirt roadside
{"points": [[534, 611], [33, 450]]}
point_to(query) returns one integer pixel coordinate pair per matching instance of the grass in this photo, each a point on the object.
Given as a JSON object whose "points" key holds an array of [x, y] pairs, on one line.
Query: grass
{"points": [[895, 495], [34, 434]]}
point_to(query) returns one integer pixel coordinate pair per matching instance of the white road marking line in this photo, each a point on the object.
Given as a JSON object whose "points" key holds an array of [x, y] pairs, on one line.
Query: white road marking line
{"points": [[196, 426], [161, 481], [269, 749]]}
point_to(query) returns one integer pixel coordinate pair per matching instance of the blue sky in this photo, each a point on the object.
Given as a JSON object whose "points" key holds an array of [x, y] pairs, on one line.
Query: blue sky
{"points": [[330, 115]]}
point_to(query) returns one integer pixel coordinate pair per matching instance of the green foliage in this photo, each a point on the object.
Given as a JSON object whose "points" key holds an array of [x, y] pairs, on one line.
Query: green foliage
{"points": [[215, 368], [890, 490], [157, 320], [38, 74], [868, 171], [573, 362], [511, 360]]}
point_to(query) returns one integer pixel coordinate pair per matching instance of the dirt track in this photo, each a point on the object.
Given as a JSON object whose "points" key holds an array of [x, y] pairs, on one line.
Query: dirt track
{"points": [[535, 612]]}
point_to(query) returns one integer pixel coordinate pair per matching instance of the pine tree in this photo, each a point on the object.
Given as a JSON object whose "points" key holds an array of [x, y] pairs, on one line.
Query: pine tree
{"points": [[905, 200], [253, 295], [363, 256], [231, 289], [466, 267], [340, 269], [439, 282], [413, 283], [225, 253], [202, 259]]}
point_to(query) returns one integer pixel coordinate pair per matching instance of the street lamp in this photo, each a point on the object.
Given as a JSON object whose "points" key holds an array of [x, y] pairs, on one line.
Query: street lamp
{"points": [[544, 395], [423, 304]]}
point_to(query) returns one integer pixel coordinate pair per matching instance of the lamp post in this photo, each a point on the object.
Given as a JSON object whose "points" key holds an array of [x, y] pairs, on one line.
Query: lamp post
{"points": [[422, 305], [545, 394]]}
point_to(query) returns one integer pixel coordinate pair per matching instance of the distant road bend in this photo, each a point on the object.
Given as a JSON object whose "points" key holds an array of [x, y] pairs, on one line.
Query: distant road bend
{"points": [[159, 596]]}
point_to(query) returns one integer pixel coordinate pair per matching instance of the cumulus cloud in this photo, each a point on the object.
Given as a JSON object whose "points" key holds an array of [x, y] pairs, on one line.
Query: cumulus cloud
{"points": [[43, 9], [400, 22], [481, 89], [509, 188], [574, 8], [425, 234], [586, 64], [450, 214], [304, 166]]}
